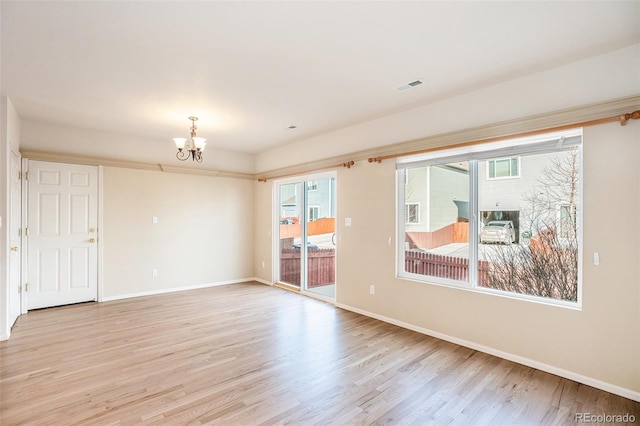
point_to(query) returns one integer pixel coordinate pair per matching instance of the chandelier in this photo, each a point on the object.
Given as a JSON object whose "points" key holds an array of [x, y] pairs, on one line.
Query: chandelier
{"points": [[191, 147]]}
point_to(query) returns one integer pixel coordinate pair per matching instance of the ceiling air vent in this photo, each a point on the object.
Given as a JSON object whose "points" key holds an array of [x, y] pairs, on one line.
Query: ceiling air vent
{"points": [[410, 85]]}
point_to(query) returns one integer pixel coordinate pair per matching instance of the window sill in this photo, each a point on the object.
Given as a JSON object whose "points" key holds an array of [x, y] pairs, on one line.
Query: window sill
{"points": [[460, 285]]}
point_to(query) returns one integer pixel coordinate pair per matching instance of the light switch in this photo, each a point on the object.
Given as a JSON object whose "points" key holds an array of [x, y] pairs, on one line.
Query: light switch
{"points": [[155, 220], [347, 221], [596, 258]]}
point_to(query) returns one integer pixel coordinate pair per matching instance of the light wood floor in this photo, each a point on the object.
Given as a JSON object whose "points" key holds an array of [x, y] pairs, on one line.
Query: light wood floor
{"points": [[250, 354]]}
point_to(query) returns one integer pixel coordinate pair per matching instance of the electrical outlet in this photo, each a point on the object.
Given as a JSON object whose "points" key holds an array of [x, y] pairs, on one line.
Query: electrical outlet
{"points": [[263, 264], [372, 289], [154, 272]]}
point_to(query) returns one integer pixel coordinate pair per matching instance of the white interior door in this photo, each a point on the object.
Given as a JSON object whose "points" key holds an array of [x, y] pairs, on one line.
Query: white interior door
{"points": [[62, 220], [15, 239]]}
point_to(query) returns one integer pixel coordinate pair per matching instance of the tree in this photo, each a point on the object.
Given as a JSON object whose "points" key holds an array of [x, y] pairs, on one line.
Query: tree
{"points": [[548, 266]]}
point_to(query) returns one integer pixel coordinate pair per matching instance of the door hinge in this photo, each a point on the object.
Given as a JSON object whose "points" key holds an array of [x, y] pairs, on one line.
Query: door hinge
{"points": [[26, 287], [26, 231], [27, 175], [19, 289], [19, 176], [19, 232]]}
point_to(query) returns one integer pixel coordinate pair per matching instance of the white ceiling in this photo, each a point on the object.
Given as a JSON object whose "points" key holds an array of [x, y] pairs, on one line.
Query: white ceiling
{"points": [[251, 69]]}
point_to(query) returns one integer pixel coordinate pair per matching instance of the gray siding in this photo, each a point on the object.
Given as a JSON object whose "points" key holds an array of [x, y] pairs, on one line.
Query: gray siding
{"points": [[435, 188]]}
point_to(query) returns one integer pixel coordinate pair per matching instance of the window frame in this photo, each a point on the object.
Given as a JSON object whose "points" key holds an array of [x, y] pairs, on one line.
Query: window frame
{"points": [[417, 205], [313, 217], [510, 160], [552, 142], [565, 207]]}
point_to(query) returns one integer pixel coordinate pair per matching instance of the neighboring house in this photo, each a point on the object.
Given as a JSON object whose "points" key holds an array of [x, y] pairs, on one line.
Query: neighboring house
{"points": [[321, 199], [430, 194], [507, 186], [434, 195]]}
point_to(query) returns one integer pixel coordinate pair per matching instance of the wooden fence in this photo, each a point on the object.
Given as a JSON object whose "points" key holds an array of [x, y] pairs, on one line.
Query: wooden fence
{"points": [[320, 264], [317, 227], [453, 233], [435, 265]]}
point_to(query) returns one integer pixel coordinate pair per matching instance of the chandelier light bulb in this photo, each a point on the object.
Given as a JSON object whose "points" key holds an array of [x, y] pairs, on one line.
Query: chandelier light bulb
{"points": [[180, 143], [199, 143]]}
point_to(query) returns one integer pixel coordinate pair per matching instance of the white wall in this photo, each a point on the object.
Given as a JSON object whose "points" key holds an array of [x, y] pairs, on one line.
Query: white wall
{"points": [[204, 233], [263, 220]]}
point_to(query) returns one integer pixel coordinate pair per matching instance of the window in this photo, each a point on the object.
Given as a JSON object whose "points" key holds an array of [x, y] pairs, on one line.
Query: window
{"points": [[503, 168], [412, 213], [314, 213], [508, 236], [567, 220]]}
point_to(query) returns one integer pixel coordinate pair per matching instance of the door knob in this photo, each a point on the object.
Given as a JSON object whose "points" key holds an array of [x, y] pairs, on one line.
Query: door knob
{"points": [[14, 248], [92, 240]]}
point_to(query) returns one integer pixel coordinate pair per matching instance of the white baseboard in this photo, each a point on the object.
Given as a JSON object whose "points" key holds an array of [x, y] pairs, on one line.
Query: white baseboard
{"points": [[608, 387], [174, 289], [260, 280], [4, 337]]}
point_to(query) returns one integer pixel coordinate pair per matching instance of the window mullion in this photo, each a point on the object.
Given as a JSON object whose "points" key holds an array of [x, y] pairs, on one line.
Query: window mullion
{"points": [[473, 223], [401, 177]]}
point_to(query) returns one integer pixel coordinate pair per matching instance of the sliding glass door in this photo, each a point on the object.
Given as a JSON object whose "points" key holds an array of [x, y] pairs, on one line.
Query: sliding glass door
{"points": [[290, 226], [307, 234], [320, 233]]}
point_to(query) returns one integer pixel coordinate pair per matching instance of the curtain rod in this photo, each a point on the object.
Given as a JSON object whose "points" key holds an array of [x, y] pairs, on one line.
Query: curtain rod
{"points": [[348, 165], [635, 115]]}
